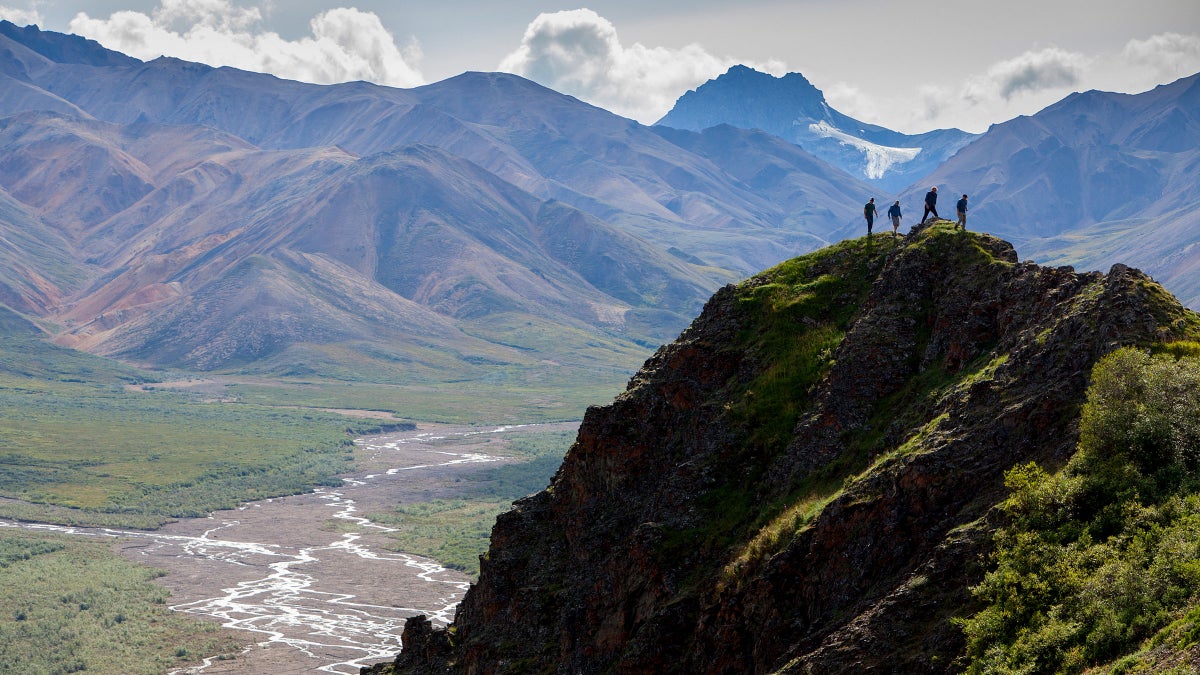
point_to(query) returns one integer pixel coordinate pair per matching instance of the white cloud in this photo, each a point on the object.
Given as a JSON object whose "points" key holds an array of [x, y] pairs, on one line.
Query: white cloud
{"points": [[346, 44], [932, 101], [850, 100], [1170, 55], [1017, 86], [21, 17], [1029, 73], [579, 53]]}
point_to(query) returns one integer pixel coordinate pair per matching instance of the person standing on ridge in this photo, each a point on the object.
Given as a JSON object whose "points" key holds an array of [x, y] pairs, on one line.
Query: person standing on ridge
{"points": [[869, 212], [962, 213], [930, 204], [894, 214]]}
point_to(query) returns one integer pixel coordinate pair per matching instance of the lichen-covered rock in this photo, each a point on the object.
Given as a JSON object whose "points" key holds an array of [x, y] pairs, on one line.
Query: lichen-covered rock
{"points": [[802, 481]]}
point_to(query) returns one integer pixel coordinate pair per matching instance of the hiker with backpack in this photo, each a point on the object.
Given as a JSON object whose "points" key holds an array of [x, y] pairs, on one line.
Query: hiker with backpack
{"points": [[962, 213], [930, 204]]}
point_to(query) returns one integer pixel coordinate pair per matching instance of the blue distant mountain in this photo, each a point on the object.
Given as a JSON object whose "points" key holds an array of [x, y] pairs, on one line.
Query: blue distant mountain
{"points": [[1095, 179], [793, 109]]}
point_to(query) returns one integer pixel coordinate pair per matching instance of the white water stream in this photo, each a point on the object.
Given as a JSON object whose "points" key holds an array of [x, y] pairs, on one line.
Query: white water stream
{"points": [[316, 599]]}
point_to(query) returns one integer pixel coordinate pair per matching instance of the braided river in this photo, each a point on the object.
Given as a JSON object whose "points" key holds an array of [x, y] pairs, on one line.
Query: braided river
{"points": [[307, 578]]}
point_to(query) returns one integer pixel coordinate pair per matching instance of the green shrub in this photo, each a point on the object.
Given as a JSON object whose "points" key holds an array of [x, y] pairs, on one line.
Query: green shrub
{"points": [[1104, 554]]}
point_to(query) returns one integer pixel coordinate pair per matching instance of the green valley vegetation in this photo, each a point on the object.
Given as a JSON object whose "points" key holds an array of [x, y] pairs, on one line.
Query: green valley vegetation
{"points": [[90, 441], [81, 446], [95, 453], [504, 396], [456, 531], [1099, 563], [69, 605]]}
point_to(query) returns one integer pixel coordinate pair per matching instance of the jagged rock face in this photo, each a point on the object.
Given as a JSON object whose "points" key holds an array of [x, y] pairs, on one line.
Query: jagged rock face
{"points": [[686, 533]]}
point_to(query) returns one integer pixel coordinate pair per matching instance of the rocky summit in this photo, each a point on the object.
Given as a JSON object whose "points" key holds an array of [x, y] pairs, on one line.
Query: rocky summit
{"points": [[806, 480]]}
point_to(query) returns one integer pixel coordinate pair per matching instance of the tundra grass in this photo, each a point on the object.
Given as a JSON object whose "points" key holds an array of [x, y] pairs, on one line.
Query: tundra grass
{"points": [[69, 605], [152, 456], [78, 446]]}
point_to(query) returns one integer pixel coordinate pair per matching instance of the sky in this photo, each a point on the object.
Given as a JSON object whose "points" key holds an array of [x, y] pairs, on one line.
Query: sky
{"points": [[909, 65]]}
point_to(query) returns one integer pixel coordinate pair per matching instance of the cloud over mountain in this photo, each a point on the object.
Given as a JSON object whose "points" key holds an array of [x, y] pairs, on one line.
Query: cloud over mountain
{"points": [[21, 17], [1169, 54], [578, 52], [346, 44], [1030, 72]]}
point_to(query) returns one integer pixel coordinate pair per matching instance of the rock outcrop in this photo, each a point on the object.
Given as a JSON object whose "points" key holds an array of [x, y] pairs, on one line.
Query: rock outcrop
{"points": [[802, 482]]}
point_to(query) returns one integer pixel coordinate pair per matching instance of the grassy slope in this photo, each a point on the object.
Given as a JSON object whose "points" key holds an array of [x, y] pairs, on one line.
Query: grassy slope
{"points": [[1086, 603], [821, 291]]}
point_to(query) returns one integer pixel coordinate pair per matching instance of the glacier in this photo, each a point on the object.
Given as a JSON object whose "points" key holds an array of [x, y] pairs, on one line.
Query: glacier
{"points": [[880, 158]]}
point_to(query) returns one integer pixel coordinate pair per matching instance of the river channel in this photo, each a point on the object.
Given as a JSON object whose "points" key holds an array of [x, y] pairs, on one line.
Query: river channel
{"points": [[308, 578]]}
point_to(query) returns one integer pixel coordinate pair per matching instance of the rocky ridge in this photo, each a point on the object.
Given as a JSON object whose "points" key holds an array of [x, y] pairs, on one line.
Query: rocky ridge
{"points": [[802, 482]]}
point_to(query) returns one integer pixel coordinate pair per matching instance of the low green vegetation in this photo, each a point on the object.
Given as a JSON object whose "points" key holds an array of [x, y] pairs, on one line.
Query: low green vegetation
{"points": [[96, 453], [794, 322], [1099, 562], [456, 531], [69, 605], [89, 441]]}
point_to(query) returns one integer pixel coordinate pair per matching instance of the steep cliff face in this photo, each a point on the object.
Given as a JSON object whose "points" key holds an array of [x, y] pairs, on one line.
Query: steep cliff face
{"points": [[802, 481]]}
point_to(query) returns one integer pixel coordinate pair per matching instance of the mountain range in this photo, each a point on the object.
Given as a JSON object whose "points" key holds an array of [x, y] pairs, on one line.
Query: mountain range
{"points": [[178, 214]]}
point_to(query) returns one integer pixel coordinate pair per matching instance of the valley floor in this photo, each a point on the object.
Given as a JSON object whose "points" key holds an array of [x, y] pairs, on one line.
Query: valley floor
{"points": [[308, 579]]}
